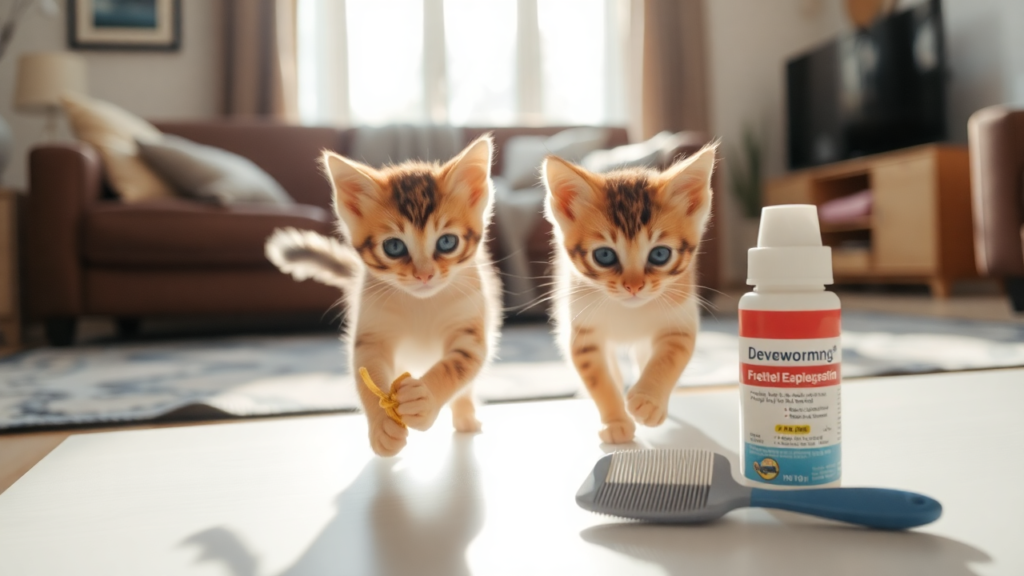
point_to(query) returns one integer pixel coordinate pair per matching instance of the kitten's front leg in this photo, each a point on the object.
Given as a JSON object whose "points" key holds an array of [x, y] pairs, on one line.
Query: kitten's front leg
{"points": [[464, 413], [387, 437], [648, 400], [421, 399], [590, 356]]}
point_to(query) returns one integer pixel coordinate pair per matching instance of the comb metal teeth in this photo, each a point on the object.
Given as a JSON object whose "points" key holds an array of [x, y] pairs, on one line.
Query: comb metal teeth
{"points": [[657, 480]]}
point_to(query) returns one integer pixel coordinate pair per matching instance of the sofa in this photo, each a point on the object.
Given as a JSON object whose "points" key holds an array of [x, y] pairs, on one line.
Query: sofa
{"points": [[996, 139], [87, 253]]}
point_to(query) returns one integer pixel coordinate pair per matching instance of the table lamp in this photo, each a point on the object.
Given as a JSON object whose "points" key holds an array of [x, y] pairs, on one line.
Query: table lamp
{"points": [[43, 77]]}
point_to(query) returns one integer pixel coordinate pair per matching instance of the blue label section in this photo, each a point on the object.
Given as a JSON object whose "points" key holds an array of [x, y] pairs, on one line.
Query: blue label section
{"points": [[792, 466]]}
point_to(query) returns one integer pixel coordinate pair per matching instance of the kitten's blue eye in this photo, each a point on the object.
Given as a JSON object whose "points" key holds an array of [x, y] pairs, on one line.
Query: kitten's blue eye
{"points": [[605, 256], [395, 248], [659, 255], [447, 243]]}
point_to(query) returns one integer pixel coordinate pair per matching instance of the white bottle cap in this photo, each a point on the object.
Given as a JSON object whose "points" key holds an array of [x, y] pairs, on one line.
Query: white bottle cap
{"points": [[789, 250]]}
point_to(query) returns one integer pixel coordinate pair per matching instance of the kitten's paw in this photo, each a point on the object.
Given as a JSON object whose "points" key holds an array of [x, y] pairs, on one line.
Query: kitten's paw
{"points": [[466, 423], [464, 415], [646, 408], [416, 404], [387, 437], [618, 431]]}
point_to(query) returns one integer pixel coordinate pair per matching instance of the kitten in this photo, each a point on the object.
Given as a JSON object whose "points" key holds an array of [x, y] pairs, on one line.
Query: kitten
{"points": [[625, 251], [420, 289]]}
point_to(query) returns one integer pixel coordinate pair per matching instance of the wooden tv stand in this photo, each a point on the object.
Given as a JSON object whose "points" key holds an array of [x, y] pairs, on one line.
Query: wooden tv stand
{"points": [[920, 229]]}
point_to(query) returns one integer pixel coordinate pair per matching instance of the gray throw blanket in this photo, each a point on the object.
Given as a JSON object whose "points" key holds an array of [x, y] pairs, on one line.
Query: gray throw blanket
{"points": [[379, 146]]}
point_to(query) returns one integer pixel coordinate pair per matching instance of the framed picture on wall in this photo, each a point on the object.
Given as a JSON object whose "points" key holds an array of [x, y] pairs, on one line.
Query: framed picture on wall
{"points": [[124, 24]]}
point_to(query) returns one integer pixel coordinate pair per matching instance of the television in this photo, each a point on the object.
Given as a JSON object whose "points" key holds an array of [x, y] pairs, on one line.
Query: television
{"points": [[878, 89]]}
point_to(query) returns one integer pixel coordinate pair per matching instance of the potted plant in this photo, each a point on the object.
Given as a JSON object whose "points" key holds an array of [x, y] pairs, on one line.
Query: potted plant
{"points": [[745, 180]]}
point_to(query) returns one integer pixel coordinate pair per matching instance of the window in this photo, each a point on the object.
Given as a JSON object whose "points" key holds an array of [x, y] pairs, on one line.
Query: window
{"points": [[480, 48], [575, 45], [466, 62], [385, 60]]}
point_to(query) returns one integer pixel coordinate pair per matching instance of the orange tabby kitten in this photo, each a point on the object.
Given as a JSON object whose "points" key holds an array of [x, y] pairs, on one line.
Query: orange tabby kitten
{"points": [[626, 244], [420, 288]]}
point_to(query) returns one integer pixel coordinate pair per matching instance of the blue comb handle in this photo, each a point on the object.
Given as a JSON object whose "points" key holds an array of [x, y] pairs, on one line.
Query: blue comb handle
{"points": [[872, 507]]}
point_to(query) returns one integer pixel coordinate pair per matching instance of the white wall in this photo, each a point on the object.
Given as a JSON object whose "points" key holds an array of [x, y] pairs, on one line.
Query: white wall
{"points": [[750, 41], [161, 85]]}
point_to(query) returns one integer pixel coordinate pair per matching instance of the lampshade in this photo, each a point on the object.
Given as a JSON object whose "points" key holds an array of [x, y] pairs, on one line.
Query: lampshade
{"points": [[44, 76]]}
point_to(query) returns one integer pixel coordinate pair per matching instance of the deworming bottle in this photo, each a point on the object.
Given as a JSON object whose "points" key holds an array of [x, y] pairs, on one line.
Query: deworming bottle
{"points": [[789, 356]]}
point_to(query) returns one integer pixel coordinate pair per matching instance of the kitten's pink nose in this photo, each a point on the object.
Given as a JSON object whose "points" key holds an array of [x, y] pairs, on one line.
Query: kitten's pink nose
{"points": [[633, 287], [424, 275]]}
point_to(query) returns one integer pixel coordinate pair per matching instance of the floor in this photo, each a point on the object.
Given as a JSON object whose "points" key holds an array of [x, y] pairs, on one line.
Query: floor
{"points": [[980, 300], [249, 499], [19, 452], [989, 307]]}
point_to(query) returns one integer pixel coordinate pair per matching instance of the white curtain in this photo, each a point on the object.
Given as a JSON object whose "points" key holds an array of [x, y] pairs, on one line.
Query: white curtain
{"points": [[464, 62]]}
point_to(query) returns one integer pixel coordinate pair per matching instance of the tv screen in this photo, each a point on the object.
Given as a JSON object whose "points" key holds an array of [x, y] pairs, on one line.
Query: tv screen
{"points": [[878, 89]]}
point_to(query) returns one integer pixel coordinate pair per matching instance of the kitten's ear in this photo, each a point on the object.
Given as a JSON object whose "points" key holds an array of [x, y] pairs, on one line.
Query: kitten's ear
{"points": [[689, 181], [353, 184], [568, 188], [468, 174]]}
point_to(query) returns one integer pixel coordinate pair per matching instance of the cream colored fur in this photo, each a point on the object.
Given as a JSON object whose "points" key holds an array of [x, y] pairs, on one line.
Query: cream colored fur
{"points": [[412, 334], [442, 331], [581, 304], [596, 315]]}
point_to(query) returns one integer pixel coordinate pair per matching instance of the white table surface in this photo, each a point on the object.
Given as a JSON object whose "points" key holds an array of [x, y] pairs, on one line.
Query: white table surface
{"points": [[306, 496]]}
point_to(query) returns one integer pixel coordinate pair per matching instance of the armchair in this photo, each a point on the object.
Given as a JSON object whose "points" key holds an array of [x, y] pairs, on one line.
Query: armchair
{"points": [[996, 137]]}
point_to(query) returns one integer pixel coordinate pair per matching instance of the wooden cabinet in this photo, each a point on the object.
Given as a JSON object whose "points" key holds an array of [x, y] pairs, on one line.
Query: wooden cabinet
{"points": [[920, 227], [904, 221], [10, 320]]}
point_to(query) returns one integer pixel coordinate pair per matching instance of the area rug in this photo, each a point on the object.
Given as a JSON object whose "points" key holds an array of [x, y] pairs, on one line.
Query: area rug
{"points": [[272, 375]]}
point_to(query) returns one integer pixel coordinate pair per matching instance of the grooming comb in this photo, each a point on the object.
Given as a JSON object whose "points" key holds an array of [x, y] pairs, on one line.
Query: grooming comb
{"points": [[687, 486]]}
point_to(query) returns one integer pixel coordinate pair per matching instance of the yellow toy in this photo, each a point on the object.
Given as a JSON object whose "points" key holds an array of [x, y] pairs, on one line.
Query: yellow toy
{"points": [[388, 402]]}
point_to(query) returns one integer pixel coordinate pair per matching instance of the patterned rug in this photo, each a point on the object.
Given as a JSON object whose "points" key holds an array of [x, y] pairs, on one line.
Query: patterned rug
{"points": [[270, 375]]}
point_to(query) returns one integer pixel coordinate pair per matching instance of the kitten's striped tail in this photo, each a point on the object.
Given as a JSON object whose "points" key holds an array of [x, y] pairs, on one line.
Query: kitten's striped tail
{"points": [[306, 254]]}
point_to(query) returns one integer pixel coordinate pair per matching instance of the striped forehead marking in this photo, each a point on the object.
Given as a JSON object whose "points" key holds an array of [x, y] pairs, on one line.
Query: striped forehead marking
{"points": [[415, 195], [629, 204]]}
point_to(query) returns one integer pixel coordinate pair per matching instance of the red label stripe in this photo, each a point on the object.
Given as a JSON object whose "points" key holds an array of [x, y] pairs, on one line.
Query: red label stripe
{"points": [[790, 376], [795, 325]]}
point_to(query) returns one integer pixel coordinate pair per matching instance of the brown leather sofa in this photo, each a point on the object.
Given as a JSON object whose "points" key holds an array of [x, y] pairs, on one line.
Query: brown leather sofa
{"points": [[86, 253], [996, 137]]}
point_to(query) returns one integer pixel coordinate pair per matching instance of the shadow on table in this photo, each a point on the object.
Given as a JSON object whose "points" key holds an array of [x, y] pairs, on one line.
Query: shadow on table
{"points": [[733, 546], [770, 542], [387, 522]]}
